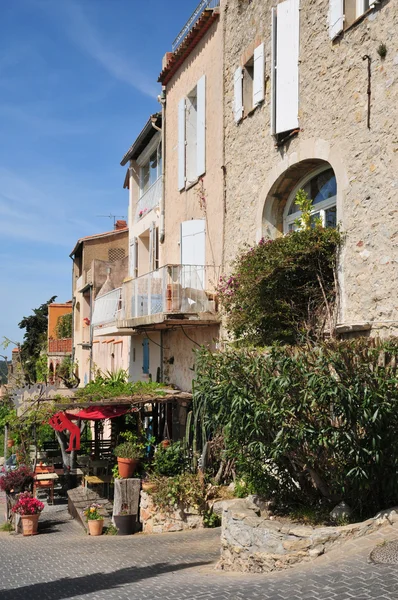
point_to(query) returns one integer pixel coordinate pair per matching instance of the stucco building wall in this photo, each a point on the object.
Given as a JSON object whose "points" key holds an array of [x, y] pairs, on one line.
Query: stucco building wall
{"points": [[333, 128], [204, 59]]}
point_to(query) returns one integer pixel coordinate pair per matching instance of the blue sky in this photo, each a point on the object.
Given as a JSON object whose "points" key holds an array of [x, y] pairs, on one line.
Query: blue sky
{"points": [[77, 84]]}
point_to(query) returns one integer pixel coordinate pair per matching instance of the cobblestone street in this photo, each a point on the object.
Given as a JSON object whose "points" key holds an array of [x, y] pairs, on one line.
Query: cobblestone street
{"points": [[62, 562]]}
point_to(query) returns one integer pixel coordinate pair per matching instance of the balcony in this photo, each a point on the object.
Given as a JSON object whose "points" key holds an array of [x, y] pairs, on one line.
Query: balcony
{"points": [[150, 199], [174, 294], [106, 308], [193, 19]]}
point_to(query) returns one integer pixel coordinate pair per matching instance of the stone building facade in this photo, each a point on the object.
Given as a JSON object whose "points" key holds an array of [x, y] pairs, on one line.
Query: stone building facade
{"points": [[331, 131]]}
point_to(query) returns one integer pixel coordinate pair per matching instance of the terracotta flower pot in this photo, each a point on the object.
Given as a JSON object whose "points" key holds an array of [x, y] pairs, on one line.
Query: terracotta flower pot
{"points": [[95, 526], [127, 466], [10, 443], [165, 443], [30, 524]]}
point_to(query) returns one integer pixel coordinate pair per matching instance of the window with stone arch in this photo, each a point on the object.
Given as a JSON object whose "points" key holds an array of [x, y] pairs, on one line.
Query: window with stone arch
{"points": [[321, 187]]}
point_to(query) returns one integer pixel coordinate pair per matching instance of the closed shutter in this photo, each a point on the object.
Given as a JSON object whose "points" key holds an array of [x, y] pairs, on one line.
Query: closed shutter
{"points": [[273, 71], [181, 144], [258, 75], [193, 253], [287, 57], [201, 126], [336, 18], [238, 94], [132, 256]]}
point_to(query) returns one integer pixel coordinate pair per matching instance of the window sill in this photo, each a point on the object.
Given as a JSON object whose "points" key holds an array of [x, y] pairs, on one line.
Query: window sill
{"points": [[250, 112], [191, 184], [360, 18]]}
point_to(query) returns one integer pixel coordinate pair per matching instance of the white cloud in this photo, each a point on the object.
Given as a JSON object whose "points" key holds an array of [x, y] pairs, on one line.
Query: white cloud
{"points": [[92, 42]]}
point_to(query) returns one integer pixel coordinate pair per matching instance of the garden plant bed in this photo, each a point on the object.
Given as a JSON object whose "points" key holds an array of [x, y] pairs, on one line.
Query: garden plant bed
{"points": [[156, 520], [252, 542]]}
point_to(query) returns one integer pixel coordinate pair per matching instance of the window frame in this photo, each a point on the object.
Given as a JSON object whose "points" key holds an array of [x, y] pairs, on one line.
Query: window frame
{"points": [[320, 207], [146, 164]]}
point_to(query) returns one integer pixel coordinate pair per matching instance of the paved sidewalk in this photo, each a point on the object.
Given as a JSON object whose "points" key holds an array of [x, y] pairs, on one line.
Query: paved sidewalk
{"points": [[62, 562]]}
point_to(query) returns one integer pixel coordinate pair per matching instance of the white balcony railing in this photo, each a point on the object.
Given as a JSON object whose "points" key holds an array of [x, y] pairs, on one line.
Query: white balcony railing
{"points": [[170, 289], [199, 10], [106, 308], [150, 199]]}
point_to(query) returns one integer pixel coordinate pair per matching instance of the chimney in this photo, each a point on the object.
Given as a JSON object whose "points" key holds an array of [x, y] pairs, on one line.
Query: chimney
{"points": [[120, 225]]}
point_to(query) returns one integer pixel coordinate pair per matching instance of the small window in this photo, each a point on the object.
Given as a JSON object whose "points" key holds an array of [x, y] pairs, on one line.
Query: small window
{"points": [[343, 13], [192, 135], [354, 9], [321, 187], [248, 76], [249, 84], [151, 170]]}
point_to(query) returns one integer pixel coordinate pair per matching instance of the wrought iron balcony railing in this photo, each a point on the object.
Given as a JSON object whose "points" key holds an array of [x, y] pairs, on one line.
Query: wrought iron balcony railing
{"points": [[199, 10]]}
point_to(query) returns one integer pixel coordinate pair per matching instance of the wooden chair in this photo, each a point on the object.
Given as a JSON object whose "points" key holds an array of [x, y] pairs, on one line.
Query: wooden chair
{"points": [[44, 483]]}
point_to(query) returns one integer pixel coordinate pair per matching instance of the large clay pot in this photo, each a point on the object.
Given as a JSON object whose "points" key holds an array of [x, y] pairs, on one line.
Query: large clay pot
{"points": [[29, 524], [95, 526], [124, 524], [127, 466]]}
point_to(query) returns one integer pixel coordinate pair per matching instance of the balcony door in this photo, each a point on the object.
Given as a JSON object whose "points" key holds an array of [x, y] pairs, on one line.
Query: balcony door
{"points": [[193, 254]]}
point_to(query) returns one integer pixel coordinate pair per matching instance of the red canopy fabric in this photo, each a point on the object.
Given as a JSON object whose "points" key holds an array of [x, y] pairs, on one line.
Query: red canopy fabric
{"points": [[96, 413]]}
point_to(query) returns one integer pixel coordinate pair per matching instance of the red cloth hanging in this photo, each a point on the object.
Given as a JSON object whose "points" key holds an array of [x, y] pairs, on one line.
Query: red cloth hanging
{"points": [[96, 413]]}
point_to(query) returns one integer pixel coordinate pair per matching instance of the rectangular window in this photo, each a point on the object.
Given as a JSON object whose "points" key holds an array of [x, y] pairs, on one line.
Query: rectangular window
{"points": [[151, 170], [249, 84], [192, 135], [284, 68], [343, 13]]}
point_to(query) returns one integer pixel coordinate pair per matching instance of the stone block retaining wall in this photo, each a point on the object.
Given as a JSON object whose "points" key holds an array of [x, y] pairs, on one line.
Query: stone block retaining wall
{"points": [[254, 543], [154, 520]]}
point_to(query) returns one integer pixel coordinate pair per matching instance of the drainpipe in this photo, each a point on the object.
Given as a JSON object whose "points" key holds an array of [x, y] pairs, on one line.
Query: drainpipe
{"points": [[162, 100], [91, 334]]}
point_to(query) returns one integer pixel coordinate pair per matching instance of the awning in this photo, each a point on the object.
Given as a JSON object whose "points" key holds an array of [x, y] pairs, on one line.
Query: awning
{"points": [[96, 413]]}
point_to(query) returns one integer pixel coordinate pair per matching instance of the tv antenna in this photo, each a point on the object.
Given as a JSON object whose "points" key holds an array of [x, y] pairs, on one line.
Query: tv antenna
{"points": [[114, 217]]}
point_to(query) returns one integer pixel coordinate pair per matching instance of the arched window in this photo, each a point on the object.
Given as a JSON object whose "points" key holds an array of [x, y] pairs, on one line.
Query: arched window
{"points": [[321, 187]]}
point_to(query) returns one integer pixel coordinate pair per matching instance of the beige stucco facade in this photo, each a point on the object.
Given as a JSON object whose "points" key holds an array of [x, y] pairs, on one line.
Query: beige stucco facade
{"points": [[100, 264], [333, 106]]}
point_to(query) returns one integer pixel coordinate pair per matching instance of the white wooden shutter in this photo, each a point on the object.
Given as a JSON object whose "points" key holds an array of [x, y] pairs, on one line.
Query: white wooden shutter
{"points": [[133, 257], [181, 144], [273, 71], [238, 94], [287, 57], [152, 246], [201, 126], [336, 18], [258, 75], [193, 253]]}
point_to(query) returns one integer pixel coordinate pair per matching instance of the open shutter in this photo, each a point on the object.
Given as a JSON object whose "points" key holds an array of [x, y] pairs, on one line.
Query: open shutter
{"points": [[336, 18], [132, 256], [201, 126], [238, 94], [273, 71], [287, 57], [152, 247], [181, 144], [258, 75]]}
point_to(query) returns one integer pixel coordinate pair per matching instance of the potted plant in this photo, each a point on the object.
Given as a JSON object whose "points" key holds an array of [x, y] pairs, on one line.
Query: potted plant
{"points": [[13, 481], [124, 522], [95, 521], [29, 509], [129, 453]]}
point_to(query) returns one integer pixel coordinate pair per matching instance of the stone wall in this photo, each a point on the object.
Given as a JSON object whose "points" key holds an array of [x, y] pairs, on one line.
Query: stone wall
{"points": [[251, 542], [154, 520], [332, 116]]}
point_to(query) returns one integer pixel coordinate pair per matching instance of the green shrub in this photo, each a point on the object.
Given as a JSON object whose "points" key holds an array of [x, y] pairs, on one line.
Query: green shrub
{"points": [[182, 490], [309, 425], [283, 290], [169, 461]]}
